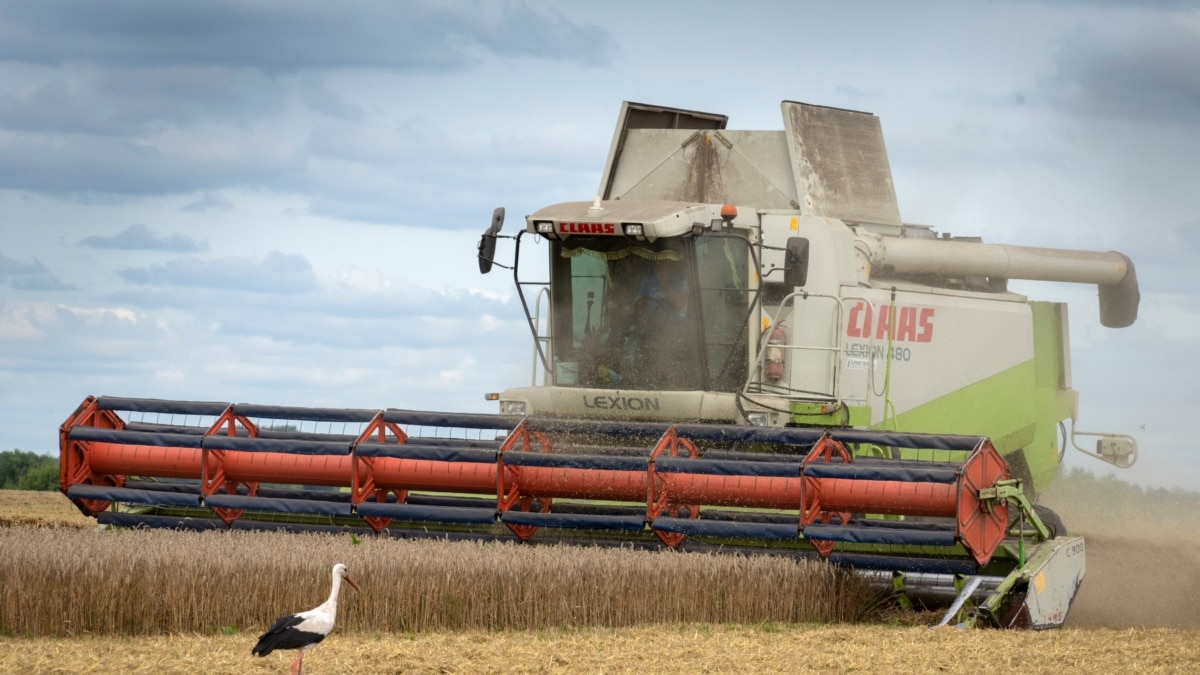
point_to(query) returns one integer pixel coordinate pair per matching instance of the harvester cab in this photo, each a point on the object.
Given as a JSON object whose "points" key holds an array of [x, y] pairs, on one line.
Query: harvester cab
{"points": [[740, 348]]}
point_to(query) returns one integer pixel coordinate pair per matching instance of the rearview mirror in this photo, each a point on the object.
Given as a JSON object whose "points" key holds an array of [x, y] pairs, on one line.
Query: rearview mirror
{"points": [[487, 242], [795, 262]]}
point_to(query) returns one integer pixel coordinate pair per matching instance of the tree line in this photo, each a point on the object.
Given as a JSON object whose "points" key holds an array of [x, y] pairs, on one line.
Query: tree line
{"points": [[21, 470]]}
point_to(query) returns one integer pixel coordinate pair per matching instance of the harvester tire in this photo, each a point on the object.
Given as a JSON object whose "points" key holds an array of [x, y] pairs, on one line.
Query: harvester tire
{"points": [[1052, 520]]}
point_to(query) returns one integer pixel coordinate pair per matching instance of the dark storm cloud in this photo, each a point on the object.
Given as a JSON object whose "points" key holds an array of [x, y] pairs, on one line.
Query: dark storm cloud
{"points": [[1145, 72], [127, 166], [121, 102], [276, 273], [138, 98], [280, 36], [29, 276], [141, 238], [207, 203]]}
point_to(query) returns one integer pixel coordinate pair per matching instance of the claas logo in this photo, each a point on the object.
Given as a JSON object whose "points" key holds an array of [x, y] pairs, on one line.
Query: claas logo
{"points": [[587, 228], [913, 324]]}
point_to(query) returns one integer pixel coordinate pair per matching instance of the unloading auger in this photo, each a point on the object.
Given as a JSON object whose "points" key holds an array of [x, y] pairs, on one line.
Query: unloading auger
{"points": [[403, 473]]}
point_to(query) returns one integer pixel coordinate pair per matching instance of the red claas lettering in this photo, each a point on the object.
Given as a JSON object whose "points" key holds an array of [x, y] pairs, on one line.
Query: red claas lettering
{"points": [[912, 324], [587, 228]]}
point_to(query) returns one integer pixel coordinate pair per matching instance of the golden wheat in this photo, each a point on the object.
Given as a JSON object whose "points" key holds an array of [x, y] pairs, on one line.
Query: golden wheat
{"points": [[75, 582]]}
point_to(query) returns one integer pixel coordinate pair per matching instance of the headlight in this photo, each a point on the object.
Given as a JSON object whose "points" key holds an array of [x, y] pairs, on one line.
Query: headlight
{"points": [[512, 407], [758, 419]]}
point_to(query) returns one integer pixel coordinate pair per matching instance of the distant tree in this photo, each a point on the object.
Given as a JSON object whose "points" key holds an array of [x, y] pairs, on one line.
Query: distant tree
{"points": [[14, 463], [21, 470], [42, 476]]}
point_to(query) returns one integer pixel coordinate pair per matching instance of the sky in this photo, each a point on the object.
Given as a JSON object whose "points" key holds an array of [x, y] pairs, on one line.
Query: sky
{"points": [[278, 202]]}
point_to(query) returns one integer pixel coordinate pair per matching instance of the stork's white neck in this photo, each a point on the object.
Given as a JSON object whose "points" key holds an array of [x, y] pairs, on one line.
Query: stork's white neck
{"points": [[333, 593], [330, 605]]}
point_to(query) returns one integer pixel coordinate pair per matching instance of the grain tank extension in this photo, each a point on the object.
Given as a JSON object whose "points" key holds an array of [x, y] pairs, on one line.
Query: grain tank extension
{"points": [[740, 347]]}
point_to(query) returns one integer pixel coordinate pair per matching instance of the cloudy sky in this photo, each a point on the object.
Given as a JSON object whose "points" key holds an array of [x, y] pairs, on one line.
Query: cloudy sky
{"points": [[278, 202]]}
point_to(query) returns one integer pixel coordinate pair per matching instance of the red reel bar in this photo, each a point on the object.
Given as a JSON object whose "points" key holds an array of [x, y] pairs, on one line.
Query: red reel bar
{"points": [[884, 497], [422, 474], [738, 491], [242, 467]]}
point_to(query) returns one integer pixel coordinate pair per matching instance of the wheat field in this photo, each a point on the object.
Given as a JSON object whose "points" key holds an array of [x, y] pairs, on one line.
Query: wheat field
{"points": [[150, 582], [79, 600]]}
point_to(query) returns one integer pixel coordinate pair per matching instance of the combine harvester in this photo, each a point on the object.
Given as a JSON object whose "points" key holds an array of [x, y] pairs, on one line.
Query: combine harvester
{"points": [[743, 348]]}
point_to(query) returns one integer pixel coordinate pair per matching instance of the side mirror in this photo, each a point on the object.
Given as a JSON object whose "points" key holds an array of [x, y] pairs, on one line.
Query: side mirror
{"points": [[795, 262], [487, 242]]}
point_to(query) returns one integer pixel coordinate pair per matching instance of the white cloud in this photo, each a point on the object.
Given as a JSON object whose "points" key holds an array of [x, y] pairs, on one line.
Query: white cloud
{"points": [[24, 321], [494, 296], [101, 313]]}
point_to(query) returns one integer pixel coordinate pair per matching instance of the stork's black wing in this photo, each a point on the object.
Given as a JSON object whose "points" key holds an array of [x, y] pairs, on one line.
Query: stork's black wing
{"points": [[283, 634]]}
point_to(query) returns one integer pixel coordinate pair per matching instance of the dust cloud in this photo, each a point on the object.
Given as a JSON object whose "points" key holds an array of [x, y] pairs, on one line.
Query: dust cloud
{"points": [[1143, 551]]}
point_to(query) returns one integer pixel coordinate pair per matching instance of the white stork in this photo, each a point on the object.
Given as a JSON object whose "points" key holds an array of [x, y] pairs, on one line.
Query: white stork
{"points": [[304, 630]]}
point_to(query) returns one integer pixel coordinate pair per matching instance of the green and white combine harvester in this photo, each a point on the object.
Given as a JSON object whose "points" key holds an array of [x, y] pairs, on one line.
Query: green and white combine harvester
{"points": [[740, 347]]}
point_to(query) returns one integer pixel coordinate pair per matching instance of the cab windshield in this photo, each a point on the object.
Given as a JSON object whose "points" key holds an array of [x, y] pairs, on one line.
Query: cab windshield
{"points": [[667, 315]]}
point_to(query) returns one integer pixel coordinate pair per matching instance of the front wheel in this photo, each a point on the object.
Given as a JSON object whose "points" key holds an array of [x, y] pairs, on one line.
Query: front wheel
{"points": [[1052, 520]]}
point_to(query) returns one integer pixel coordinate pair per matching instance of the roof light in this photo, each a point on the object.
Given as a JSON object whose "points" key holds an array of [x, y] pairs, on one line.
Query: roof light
{"points": [[633, 229], [544, 226], [728, 213]]}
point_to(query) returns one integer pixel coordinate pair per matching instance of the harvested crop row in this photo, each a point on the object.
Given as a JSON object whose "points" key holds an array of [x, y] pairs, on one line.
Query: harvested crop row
{"points": [[658, 649]]}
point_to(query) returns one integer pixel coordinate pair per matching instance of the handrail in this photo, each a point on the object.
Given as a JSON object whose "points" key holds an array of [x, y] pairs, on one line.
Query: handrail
{"points": [[836, 350], [540, 339]]}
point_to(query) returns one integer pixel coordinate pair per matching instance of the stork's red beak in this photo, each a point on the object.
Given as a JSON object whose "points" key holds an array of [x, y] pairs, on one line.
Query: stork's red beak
{"points": [[351, 582]]}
